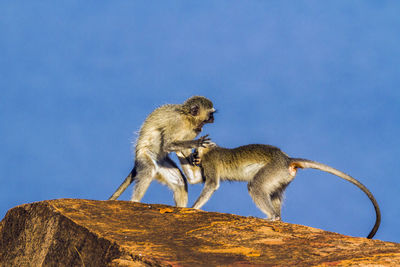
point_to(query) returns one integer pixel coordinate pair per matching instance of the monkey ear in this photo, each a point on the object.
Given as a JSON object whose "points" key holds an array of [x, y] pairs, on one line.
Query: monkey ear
{"points": [[194, 110]]}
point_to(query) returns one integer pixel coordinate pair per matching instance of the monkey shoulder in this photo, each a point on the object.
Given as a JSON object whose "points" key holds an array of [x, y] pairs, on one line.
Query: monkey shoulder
{"points": [[164, 112], [163, 118], [153, 129], [214, 153]]}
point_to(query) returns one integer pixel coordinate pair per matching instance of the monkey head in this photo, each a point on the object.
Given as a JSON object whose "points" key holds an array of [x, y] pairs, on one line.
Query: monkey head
{"points": [[199, 152], [200, 110]]}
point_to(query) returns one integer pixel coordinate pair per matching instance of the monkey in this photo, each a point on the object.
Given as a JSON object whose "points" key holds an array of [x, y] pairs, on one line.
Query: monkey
{"points": [[169, 128], [267, 170]]}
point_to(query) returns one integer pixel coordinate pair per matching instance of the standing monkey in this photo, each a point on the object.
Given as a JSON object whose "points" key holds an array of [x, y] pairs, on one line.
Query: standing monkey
{"points": [[267, 170], [169, 128]]}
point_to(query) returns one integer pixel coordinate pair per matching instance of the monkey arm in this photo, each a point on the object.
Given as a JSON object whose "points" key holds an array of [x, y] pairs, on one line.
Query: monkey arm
{"points": [[209, 188], [176, 146], [192, 172], [195, 158]]}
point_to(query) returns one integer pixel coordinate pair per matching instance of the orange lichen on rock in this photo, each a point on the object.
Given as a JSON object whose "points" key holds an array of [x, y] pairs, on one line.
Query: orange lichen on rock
{"points": [[76, 232]]}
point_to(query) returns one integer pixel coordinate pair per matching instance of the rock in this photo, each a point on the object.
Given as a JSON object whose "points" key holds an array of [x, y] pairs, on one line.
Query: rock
{"points": [[76, 232]]}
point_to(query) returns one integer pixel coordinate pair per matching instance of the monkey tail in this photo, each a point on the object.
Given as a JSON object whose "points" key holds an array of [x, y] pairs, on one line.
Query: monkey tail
{"points": [[128, 180], [305, 163]]}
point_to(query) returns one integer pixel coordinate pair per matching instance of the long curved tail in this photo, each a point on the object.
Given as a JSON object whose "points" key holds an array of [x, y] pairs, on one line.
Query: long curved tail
{"points": [[305, 163], [128, 180]]}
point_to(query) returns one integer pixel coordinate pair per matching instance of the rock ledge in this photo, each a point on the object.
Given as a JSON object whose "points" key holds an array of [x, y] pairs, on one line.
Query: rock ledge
{"points": [[77, 232]]}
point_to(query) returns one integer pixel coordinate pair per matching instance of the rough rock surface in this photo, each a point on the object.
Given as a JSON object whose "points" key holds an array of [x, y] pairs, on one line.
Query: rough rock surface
{"points": [[76, 232]]}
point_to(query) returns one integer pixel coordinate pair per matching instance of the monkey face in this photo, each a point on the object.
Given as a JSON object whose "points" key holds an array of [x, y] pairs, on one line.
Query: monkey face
{"points": [[210, 117], [207, 116], [200, 110]]}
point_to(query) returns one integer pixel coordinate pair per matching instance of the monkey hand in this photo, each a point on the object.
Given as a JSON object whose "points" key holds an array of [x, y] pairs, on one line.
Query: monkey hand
{"points": [[204, 141], [195, 158]]}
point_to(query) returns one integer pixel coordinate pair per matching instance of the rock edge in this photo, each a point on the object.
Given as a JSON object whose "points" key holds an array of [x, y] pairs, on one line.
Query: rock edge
{"points": [[77, 232]]}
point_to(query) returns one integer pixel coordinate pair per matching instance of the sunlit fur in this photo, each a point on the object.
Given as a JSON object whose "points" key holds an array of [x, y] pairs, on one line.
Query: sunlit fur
{"points": [[169, 128], [267, 170]]}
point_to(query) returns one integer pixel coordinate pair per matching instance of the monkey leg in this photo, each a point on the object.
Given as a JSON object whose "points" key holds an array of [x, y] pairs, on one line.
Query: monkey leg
{"points": [[171, 175], [192, 172], [145, 172], [276, 201], [180, 195], [262, 200], [266, 190]]}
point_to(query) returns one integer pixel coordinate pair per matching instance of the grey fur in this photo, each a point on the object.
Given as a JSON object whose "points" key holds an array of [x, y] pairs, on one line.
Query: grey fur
{"points": [[267, 170], [169, 128]]}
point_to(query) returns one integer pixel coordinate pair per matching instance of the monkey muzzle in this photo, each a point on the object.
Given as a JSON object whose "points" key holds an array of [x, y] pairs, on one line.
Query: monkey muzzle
{"points": [[210, 119]]}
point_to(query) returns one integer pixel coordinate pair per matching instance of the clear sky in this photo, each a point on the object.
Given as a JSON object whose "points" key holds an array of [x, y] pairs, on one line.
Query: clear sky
{"points": [[319, 79]]}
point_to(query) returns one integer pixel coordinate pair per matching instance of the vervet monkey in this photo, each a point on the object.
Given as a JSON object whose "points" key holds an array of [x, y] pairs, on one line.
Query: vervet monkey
{"points": [[169, 128], [267, 170]]}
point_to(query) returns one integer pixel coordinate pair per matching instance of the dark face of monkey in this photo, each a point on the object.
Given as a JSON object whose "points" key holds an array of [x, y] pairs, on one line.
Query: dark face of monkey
{"points": [[201, 109], [209, 119]]}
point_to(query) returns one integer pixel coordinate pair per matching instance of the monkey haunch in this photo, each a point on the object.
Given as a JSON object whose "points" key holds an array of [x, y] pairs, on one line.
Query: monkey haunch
{"points": [[267, 170], [169, 128]]}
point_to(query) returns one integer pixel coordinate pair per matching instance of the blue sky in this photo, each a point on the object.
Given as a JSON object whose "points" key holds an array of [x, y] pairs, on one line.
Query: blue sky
{"points": [[319, 79]]}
